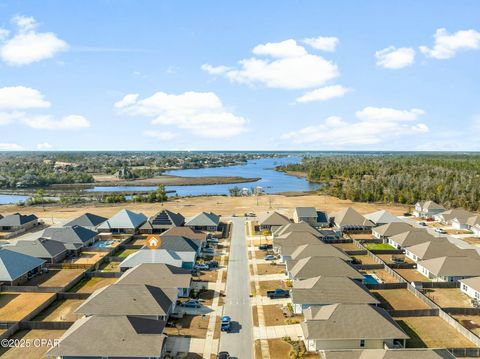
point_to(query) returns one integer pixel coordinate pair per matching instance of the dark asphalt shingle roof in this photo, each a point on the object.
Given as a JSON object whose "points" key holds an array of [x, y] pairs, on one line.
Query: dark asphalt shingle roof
{"points": [[204, 219], [86, 220], [13, 265], [17, 219], [179, 244], [39, 248], [75, 234]]}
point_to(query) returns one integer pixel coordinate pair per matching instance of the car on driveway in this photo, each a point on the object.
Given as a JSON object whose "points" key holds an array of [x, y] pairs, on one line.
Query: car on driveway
{"points": [[226, 324], [264, 247], [212, 264], [212, 240], [278, 293], [208, 250], [270, 257], [440, 230], [223, 355], [423, 224], [201, 266], [191, 303]]}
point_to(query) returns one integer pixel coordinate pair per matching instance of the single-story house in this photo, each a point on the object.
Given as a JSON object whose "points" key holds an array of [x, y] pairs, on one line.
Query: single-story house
{"points": [[440, 247], [415, 353], [88, 220], [315, 250], [186, 232], [390, 229], [449, 269], [287, 243], [410, 238], [471, 287], [456, 217], [178, 259], [159, 275], [318, 291], [204, 221], [323, 266], [162, 221], [112, 337], [382, 217], [349, 219], [18, 222], [427, 209], [181, 244], [74, 238], [350, 326], [295, 227], [474, 225], [48, 249], [311, 216], [124, 222], [16, 268], [139, 300], [271, 221]]}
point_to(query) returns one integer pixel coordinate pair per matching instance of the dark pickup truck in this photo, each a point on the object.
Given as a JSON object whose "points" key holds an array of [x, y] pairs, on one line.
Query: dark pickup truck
{"points": [[278, 293]]}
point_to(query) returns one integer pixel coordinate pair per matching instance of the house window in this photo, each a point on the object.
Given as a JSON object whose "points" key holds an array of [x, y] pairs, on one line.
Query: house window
{"points": [[464, 287], [362, 343], [477, 295]]}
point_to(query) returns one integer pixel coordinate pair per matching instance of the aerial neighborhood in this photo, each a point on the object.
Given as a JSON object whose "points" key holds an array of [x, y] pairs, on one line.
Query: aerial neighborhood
{"points": [[330, 285]]}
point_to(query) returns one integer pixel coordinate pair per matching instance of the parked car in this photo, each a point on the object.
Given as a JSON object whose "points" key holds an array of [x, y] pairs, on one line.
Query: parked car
{"points": [[278, 293], [212, 264], [226, 324], [191, 303], [270, 257], [223, 355], [407, 214], [208, 250], [423, 224], [201, 266], [440, 230], [212, 240], [265, 247]]}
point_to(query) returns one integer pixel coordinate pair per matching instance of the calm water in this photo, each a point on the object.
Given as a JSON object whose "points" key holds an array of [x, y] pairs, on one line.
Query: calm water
{"points": [[271, 180], [7, 198]]}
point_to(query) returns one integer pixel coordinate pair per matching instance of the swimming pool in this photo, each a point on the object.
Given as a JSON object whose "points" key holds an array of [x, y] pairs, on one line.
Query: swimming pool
{"points": [[370, 279], [103, 244]]}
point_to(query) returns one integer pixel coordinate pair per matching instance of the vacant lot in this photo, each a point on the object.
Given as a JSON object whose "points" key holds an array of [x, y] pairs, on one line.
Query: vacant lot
{"points": [[60, 311], [280, 349], [270, 269], [364, 259], [274, 315], [361, 236], [89, 257], [471, 322], [207, 276], [31, 352], [110, 267], [411, 275], [55, 277], [432, 332], [388, 258], [448, 297], [346, 246], [398, 299], [89, 285], [16, 306], [266, 285], [193, 326]]}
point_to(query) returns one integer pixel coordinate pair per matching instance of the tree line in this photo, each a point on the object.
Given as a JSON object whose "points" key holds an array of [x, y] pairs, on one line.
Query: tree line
{"points": [[452, 180]]}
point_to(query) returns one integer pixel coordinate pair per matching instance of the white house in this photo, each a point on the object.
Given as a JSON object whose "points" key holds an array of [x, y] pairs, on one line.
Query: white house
{"points": [[471, 287], [427, 209], [390, 229], [449, 269]]}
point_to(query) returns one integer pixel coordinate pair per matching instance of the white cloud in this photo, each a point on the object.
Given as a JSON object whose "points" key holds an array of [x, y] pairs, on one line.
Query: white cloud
{"points": [[323, 94], [163, 135], [287, 65], [447, 45], [10, 147], [10, 117], [393, 58], [27, 45], [3, 34], [71, 122], [324, 43], [20, 97], [201, 113], [370, 128], [44, 146]]}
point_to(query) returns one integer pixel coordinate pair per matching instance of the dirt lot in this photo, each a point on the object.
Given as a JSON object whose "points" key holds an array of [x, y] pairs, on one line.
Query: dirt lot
{"points": [[16, 306], [218, 204], [266, 285], [365, 259], [207, 276], [384, 276], [89, 257], [280, 350], [270, 269], [471, 322], [273, 315], [398, 299], [110, 267], [193, 326], [387, 258], [32, 352], [89, 285], [60, 311], [432, 332], [55, 277], [346, 246], [448, 297], [411, 275]]}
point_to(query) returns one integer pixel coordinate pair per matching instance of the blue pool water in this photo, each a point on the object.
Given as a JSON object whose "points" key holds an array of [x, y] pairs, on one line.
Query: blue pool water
{"points": [[102, 244], [369, 279]]}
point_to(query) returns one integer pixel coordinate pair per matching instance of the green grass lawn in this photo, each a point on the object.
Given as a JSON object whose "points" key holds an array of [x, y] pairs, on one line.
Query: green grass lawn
{"points": [[125, 253], [379, 246]]}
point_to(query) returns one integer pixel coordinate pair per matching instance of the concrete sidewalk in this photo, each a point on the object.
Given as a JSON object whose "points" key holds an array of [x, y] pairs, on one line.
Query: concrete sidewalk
{"points": [[293, 331]]}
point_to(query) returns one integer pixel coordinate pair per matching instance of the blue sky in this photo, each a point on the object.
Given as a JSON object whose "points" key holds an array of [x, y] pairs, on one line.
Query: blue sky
{"points": [[247, 75]]}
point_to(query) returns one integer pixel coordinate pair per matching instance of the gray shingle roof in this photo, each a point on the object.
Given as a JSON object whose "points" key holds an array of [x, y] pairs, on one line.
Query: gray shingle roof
{"points": [[438, 248], [203, 219], [186, 232], [272, 219], [179, 244], [296, 227], [391, 229], [157, 256], [319, 250], [76, 234], [388, 354], [86, 220], [124, 219], [157, 274], [17, 219], [383, 217], [112, 336], [452, 266], [13, 265], [165, 219], [412, 237], [350, 217], [40, 248], [323, 266], [350, 321], [306, 212]]}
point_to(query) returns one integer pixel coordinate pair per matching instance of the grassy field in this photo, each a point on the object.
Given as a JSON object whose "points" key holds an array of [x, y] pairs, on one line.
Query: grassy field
{"points": [[378, 246], [89, 285]]}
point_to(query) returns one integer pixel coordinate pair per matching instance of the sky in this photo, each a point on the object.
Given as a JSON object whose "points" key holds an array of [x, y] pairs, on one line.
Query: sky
{"points": [[239, 75]]}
